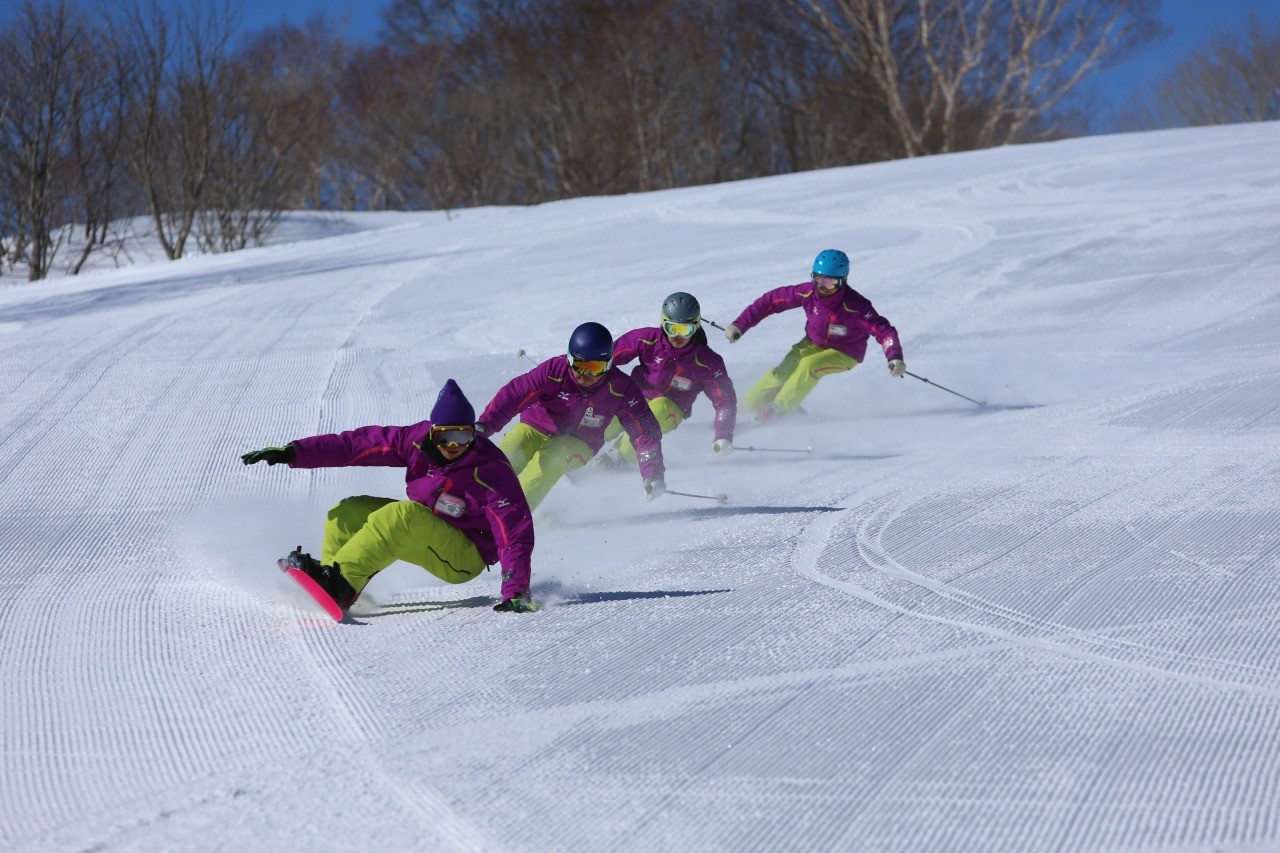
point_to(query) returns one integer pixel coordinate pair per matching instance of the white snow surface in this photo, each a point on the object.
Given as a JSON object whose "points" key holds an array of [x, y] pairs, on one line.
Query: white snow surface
{"points": [[1049, 623]]}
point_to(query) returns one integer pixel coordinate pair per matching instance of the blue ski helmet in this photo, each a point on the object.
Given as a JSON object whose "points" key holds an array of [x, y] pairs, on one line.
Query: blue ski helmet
{"points": [[831, 262], [591, 342]]}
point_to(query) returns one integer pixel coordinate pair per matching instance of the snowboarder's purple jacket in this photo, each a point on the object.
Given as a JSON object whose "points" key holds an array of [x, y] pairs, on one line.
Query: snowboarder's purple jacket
{"points": [[495, 517], [841, 321], [680, 373], [548, 399]]}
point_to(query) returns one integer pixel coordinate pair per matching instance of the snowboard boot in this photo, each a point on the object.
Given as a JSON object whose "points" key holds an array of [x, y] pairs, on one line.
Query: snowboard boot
{"points": [[329, 578]]}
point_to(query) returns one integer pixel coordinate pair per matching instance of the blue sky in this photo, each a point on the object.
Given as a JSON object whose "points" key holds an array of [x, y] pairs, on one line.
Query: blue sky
{"points": [[1188, 20]]}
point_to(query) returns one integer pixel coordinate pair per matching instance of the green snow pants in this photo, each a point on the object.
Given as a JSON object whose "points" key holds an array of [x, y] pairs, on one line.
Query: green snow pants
{"points": [[791, 381], [540, 460], [364, 535], [669, 417]]}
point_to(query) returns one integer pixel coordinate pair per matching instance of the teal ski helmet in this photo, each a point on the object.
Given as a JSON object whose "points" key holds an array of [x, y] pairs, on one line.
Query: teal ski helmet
{"points": [[831, 262]]}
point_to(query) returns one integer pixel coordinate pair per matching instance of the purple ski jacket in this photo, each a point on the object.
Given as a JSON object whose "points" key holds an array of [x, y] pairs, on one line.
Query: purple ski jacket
{"points": [[548, 399], [478, 494], [680, 373], [841, 321]]}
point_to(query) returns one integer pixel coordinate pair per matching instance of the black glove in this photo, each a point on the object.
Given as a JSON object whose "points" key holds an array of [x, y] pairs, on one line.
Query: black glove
{"points": [[522, 603], [269, 455]]}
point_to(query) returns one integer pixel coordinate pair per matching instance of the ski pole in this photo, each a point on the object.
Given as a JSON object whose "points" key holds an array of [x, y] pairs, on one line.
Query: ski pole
{"points": [[713, 323], [523, 354], [948, 390], [749, 448], [717, 498]]}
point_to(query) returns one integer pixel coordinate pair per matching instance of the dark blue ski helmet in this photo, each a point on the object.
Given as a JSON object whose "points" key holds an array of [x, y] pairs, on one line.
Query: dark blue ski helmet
{"points": [[591, 342]]}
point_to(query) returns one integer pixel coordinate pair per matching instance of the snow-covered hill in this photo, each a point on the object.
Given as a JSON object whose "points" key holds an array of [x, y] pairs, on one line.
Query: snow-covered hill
{"points": [[1048, 624]]}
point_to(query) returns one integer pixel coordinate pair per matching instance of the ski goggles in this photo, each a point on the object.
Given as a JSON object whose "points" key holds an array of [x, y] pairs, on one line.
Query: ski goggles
{"points": [[589, 367], [453, 436], [827, 280], [679, 330]]}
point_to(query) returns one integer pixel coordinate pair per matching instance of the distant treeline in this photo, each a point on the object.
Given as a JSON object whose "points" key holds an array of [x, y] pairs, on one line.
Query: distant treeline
{"points": [[143, 113]]}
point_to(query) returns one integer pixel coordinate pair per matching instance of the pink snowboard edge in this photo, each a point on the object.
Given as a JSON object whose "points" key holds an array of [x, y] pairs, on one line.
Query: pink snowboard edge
{"points": [[313, 589]]}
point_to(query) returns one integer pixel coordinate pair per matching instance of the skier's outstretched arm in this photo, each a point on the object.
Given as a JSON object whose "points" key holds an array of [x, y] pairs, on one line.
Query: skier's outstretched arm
{"points": [[646, 437], [772, 302], [724, 400], [511, 522], [365, 446], [516, 396]]}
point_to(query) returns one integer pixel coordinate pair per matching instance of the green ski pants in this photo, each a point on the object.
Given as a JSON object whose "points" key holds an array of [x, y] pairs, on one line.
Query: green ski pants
{"points": [[363, 535], [791, 381], [540, 460], [669, 417]]}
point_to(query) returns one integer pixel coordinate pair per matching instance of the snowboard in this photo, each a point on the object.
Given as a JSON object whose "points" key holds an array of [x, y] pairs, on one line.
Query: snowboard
{"points": [[311, 588]]}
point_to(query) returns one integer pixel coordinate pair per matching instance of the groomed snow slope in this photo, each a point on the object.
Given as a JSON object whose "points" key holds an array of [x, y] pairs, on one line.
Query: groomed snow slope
{"points": [[1049, 624]]}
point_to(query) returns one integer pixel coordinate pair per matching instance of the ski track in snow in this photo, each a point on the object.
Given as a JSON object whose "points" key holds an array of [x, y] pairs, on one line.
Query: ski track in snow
{"points": [[1047, 624]]}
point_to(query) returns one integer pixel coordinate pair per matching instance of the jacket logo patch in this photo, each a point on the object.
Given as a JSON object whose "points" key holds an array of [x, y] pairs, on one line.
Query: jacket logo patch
{"points": [[590, 419], [451, 505]]}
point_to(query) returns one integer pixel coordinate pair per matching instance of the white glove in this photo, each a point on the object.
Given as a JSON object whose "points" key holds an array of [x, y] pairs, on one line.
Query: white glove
{"points": [[722, 447], [732, 332], [654, 487], [897, 367]]}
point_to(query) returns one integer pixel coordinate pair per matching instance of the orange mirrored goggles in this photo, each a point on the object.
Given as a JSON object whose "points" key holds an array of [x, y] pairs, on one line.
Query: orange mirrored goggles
{"points": [[453, 436], [588, 367]]}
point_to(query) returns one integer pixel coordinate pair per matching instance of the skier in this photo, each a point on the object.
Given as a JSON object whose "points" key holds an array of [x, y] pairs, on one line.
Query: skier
{"points": [[839, 321], [675, 366], [564, 406], [465, 508]]}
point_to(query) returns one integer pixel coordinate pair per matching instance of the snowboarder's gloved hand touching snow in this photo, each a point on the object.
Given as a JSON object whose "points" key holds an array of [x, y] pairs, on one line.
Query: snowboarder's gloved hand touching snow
{"points": [[732, 332], [897, 367], [654, 486], [722, 447], [522, 603], [270, 455]]}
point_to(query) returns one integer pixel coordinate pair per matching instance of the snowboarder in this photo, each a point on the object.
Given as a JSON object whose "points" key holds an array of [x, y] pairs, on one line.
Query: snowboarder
{"points": [[564, 406], [465, 509], [675, 366], [838, 324]]}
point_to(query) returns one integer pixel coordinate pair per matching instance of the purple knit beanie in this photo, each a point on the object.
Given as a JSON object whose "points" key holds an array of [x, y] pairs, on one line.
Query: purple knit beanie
{"points": [[452, 407]]}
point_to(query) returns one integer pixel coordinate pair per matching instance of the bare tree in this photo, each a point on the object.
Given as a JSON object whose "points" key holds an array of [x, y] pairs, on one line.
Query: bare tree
{"points": [[174, 115], [97, 143], [1233, 77], [42, 80], [271, 125], [954, 74]]}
